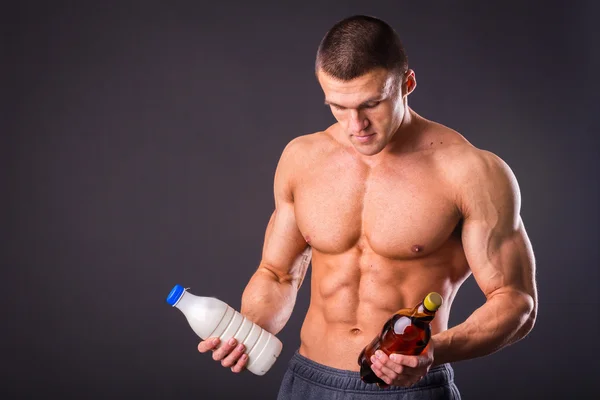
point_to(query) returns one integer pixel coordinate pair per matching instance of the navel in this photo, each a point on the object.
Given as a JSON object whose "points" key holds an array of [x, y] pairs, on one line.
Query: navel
{"points": [[355, 331]]}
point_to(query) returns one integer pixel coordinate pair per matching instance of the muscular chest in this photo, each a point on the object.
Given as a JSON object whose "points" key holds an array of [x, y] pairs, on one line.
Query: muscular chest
{"points": [[398, 213]]}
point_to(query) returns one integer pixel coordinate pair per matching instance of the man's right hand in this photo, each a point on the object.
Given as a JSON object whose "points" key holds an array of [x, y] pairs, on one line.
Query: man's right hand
{"points": [[230, 353]]}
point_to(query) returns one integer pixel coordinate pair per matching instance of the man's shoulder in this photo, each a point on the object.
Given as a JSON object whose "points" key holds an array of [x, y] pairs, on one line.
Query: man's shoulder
{"points": [[297, 157], [304, 148], [475, 174], [467, 163], [463, 164], [455, 154], [303, 142]]}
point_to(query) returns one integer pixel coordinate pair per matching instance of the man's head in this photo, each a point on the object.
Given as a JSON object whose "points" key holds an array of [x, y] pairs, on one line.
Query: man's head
{"points": [[363, 70]]}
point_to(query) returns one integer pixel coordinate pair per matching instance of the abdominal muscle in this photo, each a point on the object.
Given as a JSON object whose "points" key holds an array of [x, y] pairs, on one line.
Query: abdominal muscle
{"points": [[355, 293]]}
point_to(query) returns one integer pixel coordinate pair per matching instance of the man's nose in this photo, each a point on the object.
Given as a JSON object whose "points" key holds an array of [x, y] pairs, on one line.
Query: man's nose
{"points": [[357, 121]]}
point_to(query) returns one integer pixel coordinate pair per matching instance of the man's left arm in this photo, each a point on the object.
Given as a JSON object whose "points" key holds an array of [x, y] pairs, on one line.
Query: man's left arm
{"points": [[501, 259]]}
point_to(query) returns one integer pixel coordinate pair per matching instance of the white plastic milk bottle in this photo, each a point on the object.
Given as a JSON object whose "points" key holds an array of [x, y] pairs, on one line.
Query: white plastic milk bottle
{"points": [[211, 317]]}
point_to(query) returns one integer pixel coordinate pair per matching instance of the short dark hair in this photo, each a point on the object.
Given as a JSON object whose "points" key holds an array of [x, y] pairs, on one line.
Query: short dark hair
{"points": [[359, 44]]}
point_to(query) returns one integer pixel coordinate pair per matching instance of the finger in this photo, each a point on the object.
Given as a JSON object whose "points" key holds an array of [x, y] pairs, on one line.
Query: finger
{"points": [[387, 373], [208, 344], [383, 372], [234, 356], [224, 350], [376, 368], [389, 362], [241, 364], [407, 361], [399, 375], [409, 373]]}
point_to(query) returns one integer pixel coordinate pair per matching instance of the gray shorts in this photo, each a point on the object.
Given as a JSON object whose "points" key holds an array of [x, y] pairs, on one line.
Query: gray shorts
{"points": [[308, 380]]}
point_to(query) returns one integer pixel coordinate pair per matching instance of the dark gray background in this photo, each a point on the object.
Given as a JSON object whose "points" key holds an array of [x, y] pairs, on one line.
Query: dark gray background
{"points": [[140, 149]]}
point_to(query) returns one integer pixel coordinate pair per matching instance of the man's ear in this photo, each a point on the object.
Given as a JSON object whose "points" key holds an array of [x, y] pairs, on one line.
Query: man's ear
{"points": [[410, 82]]}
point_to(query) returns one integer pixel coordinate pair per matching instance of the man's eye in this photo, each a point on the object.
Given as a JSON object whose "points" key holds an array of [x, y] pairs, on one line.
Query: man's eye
{"points": [[372, 105]]}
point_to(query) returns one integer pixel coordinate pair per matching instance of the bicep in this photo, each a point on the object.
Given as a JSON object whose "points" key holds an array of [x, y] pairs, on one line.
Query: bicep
{"points": [[285, 250], [495, 242], [500, 258]]}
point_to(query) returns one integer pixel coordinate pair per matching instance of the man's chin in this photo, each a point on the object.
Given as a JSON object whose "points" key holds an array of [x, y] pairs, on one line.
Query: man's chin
{"points": [[367, 150]]}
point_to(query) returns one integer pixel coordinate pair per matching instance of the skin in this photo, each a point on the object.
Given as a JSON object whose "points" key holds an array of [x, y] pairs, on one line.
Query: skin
{"points": [[413, 208]]}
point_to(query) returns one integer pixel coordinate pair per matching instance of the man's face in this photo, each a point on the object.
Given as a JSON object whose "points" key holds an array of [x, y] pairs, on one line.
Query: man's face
{"points": [[369, 108]]}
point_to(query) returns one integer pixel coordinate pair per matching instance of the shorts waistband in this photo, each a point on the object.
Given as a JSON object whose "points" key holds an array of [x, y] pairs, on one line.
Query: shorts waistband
{"points": [[340, 379]]}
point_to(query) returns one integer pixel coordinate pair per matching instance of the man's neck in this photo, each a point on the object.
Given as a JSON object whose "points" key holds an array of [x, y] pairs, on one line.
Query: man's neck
{"points": [[404, 139]]}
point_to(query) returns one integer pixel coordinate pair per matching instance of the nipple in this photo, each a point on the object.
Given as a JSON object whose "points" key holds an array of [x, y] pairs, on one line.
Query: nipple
{"points": [[417, 248]]}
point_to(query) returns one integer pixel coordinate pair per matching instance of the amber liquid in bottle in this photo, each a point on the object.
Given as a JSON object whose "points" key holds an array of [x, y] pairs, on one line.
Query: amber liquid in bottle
{"points": [[407, 332]]}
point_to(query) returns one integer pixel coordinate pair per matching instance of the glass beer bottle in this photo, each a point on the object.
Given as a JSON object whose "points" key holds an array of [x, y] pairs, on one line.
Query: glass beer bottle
{"points": [[407, 332]]}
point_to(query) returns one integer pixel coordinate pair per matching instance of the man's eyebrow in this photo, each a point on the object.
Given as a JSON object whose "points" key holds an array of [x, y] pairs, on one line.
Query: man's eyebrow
{"points": [[373, 99], [329, 103]]}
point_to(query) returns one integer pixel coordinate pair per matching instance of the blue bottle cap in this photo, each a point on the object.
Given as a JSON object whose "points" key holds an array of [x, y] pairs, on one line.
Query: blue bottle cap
{"points": [[175, 294]]}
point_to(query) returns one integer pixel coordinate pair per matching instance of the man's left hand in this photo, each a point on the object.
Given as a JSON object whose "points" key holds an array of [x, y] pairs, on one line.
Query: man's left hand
{"points": [[402, 370]]}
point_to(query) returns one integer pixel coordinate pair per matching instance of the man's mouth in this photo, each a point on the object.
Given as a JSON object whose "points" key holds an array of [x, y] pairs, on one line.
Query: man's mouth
{"points": [[364, 138]]}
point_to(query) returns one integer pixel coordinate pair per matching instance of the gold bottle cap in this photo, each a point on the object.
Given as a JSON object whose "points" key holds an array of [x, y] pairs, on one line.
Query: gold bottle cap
{"points": [[433, 301]]}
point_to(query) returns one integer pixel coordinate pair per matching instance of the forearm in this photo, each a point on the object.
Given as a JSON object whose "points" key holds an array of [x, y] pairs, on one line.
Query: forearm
{"points": [[505, 318], [268, 299]]}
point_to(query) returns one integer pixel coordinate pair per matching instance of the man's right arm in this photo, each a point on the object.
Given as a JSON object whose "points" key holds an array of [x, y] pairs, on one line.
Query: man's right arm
{"points": [[270, 295]]}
